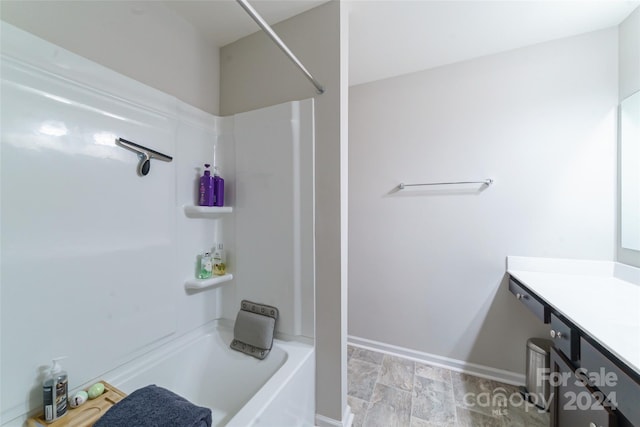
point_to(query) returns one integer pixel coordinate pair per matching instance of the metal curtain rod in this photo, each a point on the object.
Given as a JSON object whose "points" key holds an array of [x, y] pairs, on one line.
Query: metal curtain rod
{"points": [[486, 182], [267, 29]]}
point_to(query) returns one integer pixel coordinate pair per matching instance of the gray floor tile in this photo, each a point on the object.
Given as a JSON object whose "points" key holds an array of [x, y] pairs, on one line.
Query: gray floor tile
{"points": [[478, 394], [468, 418], [433, 401], [367, 355], [418, 422], [397, 372], [439, 397], [359, 408], [524, 414], [433, 372], [361, 378], [389, 407], [518, 417]]}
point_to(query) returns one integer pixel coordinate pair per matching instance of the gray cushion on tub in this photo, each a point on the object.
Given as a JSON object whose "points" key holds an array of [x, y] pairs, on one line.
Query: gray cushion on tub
{"points": [[253, 330], [154, 406]]}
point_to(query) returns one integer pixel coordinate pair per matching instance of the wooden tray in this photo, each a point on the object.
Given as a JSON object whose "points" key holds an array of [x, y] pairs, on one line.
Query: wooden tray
{"points": [[87, 413]]}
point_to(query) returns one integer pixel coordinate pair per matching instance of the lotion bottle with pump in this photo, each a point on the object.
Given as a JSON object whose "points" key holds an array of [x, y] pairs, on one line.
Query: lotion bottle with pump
{"points": [[55, 390]]}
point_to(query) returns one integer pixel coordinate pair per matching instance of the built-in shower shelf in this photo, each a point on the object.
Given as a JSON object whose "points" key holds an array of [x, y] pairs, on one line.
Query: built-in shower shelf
{"points": [[213, 282], [208, 211]]}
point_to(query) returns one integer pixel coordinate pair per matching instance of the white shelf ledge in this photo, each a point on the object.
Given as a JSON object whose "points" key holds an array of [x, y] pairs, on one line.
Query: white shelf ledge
{"points": [[212, 282], [207, 210]]}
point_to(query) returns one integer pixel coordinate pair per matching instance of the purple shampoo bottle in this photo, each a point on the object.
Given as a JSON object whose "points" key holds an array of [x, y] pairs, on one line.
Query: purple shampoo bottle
{"points": [[218, 188], [207, 197]]}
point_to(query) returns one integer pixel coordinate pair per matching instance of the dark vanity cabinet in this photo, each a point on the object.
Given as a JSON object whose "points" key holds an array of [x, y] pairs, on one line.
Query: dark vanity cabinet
{"points": [[575, 403], [615, 381], [590, 386]]}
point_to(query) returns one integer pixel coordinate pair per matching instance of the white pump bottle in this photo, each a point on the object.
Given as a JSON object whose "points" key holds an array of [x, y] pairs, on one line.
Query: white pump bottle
{"points": [[55, 391]]}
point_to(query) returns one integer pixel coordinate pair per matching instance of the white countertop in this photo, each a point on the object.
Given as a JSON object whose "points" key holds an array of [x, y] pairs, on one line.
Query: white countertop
{"points": [[600, 297]]}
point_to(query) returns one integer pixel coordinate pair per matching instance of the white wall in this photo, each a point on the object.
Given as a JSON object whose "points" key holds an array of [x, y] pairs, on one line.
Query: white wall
{"points": [[629, 54], [629, 75], [273, 210], [140, 39], [427, 266], [255, 73], [196, 134], [94, 257]]}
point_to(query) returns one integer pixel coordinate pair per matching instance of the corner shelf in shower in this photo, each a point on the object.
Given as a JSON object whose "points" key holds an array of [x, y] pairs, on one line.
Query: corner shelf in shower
{"points": [[212, 282], [207, 211]]}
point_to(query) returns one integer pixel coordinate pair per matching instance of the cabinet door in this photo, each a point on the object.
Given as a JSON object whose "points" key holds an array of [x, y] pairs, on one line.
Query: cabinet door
{"points": [[574, 404], [613, 381]]}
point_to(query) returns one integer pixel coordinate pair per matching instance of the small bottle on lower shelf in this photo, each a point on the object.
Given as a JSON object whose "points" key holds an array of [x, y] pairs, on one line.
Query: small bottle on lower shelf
{"points": [[206, 266]]}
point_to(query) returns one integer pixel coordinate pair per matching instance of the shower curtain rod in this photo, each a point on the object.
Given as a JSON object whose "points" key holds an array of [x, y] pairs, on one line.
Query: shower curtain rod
{"points": [[267, 29]]}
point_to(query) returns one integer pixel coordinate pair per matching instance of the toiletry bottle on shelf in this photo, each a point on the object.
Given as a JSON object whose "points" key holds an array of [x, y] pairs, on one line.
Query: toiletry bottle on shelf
{"points": [[54, 390], [206, 266], [218, 185], [219, 261], [207, 197]]}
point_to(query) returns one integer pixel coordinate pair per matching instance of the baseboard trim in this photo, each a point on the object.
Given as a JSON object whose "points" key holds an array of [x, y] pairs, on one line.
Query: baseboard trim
{"points": [[347, 419], [501, 375]]}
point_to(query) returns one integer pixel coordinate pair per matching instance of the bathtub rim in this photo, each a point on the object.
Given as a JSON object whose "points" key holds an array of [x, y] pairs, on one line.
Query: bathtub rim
{"points": [[297, 350], [298, 354]]}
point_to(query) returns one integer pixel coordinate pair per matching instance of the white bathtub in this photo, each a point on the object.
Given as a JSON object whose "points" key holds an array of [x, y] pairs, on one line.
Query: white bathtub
{"points": [[240, 390]]}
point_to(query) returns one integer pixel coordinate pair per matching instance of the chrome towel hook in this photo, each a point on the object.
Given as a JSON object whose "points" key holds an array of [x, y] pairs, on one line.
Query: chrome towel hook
{"points": [[145, 154]]}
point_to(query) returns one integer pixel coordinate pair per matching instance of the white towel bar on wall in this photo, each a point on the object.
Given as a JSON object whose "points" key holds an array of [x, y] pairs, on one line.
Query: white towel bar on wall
{"points": [[486, 182]]}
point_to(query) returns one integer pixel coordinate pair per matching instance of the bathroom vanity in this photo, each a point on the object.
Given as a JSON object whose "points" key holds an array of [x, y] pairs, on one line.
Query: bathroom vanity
{"points": [[593, 312]]}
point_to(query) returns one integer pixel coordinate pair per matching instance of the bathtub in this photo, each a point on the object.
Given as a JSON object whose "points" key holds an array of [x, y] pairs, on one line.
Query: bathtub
{"points": [[240, 390]]}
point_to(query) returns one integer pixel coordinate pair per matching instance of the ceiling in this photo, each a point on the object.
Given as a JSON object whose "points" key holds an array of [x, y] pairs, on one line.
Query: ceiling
{"points": [[394, 37]]}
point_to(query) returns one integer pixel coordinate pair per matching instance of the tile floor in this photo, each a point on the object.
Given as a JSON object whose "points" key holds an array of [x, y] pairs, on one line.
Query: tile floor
{"points": [[387, 391]]}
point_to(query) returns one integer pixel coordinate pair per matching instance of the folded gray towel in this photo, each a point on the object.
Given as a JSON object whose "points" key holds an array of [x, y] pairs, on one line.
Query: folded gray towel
{"points": [[253, 330], [154, 406]]}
